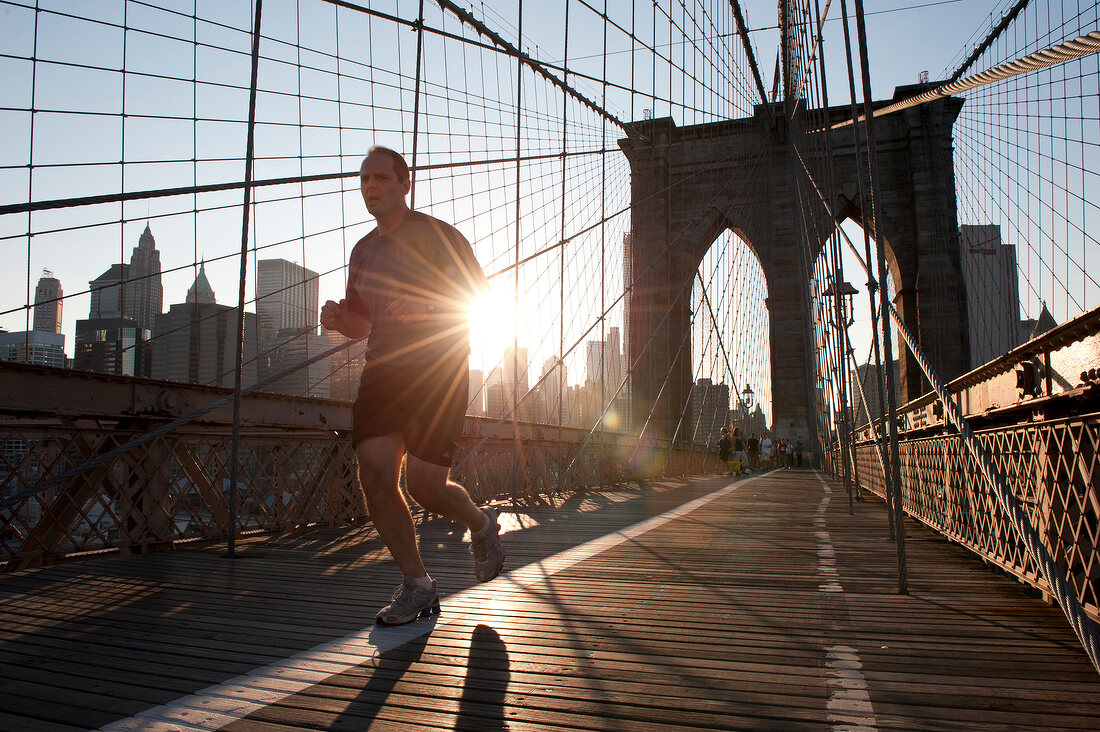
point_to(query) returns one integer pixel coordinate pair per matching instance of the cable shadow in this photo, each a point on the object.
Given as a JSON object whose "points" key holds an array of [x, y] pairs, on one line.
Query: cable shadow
{"points": [[481, 707]]}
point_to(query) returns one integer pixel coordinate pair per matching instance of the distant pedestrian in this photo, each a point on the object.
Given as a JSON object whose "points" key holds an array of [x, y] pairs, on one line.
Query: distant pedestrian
{"points": [[739, 456], [725, 446], [754, 450], [766, 448], [798, 451]]}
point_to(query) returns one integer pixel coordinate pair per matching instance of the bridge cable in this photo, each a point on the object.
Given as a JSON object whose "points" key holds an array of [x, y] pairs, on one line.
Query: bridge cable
{"points": [[231, 500], [1056, 54], [742, 31], [1006, 20], [865, 209], [887, 338]]}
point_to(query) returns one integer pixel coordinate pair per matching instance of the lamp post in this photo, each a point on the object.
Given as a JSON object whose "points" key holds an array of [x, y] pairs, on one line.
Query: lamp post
{"points": [[843, 317]]}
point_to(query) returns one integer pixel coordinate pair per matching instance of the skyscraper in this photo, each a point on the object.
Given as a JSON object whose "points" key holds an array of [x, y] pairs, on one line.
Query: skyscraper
{"points": [[497, 397], [868, 377], [515, 368], [114, 345], [604, 360], [289, 351], [143, 292], [132, 291], [286, 297], [196, 341], [710, 407], [551, 390], [110, 341], [47, 304], [345, 366], [107, 295], [44, 348], [992, 292], [476, 404], [200, 291]]}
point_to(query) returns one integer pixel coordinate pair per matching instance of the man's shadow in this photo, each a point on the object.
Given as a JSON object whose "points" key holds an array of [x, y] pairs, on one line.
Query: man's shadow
{"points": [[487, 674]]}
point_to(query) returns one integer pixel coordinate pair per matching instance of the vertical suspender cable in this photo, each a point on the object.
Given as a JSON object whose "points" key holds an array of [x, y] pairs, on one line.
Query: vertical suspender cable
{"points": [[603, 228], [416, 100], [884, 301], [30, 171], [119, 356], [803, 233], [347, 358], [838, 278], [872, 285], [559, 367], [249, 151], [516, 271]]}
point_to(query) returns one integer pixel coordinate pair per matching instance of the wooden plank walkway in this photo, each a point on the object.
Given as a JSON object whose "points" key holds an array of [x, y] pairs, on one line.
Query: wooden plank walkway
{"points": [[758, 604]]}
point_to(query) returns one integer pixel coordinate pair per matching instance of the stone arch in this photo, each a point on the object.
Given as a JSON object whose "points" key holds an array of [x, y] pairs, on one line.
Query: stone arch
{"points": [[747, 366]]}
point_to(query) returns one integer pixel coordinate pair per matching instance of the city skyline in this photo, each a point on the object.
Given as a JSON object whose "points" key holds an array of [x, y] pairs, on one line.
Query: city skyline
{"points": [[137, 135]]}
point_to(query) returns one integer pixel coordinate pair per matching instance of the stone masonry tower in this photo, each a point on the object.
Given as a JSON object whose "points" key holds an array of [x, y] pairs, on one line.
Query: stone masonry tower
{"points": [[689, 184]]}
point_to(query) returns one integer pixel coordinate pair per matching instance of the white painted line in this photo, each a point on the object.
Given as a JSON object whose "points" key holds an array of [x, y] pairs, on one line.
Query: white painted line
{"points": [[217, 706], [849, 704]]}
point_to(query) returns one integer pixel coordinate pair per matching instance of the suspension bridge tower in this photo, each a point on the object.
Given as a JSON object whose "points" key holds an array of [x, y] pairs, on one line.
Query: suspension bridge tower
{"points": [[759, 177]]}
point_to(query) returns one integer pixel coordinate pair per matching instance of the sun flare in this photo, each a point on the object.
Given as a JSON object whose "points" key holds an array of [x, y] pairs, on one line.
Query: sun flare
{"points": [[492, 324]]}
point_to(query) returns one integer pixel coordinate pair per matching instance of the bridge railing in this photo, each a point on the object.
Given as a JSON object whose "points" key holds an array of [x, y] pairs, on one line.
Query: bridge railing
{"points": [[1051, 468], [296, 466], [1035, 413]]}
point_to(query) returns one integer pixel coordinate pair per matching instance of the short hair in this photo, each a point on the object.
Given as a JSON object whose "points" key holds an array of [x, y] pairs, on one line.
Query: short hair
{"points": [[399, 165]]}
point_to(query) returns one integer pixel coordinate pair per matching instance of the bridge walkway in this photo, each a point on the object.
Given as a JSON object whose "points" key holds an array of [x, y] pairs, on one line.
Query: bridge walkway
{"points": [[702, 603]]}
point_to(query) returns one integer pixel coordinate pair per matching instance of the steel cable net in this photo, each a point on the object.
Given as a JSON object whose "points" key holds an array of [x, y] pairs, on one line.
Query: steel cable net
{"points": [[126, 126], [1027, 152]]}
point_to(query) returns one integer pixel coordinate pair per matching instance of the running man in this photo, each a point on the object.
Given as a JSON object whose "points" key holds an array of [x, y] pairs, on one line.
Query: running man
{"points": [[410, 283]]}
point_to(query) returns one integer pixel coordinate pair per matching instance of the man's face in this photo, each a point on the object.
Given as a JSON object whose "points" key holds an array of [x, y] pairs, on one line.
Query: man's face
{"points": [[383, 192]]}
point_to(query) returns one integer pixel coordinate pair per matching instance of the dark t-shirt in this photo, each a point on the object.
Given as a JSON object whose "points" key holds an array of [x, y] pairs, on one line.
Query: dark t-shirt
{"points": [[738, 444], [724, 448], [422, 257], [754, 444]]}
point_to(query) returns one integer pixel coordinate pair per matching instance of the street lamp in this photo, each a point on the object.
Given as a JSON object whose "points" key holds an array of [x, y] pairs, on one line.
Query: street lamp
{"points": [[846, 291], [747, 396], [747, 399]]}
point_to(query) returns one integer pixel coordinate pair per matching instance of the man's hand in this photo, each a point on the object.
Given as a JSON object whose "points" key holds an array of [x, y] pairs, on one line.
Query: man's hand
{"points": [[341, 318]]}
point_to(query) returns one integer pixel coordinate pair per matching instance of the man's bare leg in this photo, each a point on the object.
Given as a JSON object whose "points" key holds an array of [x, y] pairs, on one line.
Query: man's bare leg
{"points": [[430, 486], [379, 469]]}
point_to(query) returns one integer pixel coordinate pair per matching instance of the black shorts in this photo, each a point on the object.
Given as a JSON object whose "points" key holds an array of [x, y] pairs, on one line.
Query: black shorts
{"points": [[424, 403]]}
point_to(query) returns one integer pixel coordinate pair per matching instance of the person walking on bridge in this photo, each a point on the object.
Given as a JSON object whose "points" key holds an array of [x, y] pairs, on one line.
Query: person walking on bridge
{"points": [[754, 451], [740, 459], [410, 283], [724, 447]]}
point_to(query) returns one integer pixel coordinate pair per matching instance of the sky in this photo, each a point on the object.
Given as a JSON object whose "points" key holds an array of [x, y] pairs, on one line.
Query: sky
{"points": [[176, 133]]}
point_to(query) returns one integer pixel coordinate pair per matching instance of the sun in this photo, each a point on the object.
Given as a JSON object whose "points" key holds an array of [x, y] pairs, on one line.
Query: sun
{"points": [[492, 325]]}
